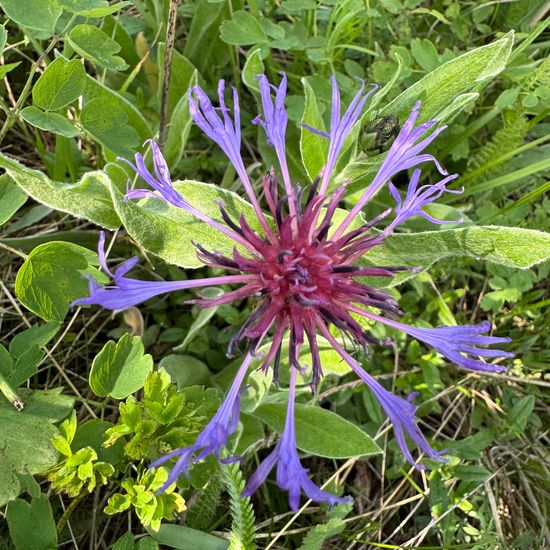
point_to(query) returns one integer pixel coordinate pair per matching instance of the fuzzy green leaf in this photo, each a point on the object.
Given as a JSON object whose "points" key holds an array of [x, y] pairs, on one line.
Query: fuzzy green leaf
{"points": [[167, 231], [509, 246], [92, 8], [438, 88], [88, 198]]}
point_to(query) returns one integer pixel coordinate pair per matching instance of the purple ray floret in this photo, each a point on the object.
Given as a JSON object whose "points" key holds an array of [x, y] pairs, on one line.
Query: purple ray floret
{"points": [[300, 273], [214, 437], [291, 475]]}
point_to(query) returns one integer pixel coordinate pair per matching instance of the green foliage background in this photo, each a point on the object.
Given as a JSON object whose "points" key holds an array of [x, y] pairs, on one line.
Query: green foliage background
{"points": [[89, 398]]}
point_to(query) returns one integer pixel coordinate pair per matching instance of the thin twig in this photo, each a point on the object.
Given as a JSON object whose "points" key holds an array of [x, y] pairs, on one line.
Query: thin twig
{"points": [[167, 70]]}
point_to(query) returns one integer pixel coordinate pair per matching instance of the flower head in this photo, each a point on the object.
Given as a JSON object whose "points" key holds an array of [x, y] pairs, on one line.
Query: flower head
{"points": [[301, 271]]}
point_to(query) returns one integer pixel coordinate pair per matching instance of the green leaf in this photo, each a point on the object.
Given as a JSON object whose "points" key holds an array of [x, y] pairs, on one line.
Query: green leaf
{"points": [[54, 275], [51, 122], [167, 231], [120, 369], [5, 69], [437, 89], [96, 46], [509, 246], [313, 147], [25, 437], [320, 432], [242, 30], [184, 538], [61, 83], [107, 122], [185, 370], [521, 411], [253, 66], [92, 8], [92, 434], [31, 524], [36, 335], [425, 53], [316, 537], [12, 198], [40, 15], [89, 198]]}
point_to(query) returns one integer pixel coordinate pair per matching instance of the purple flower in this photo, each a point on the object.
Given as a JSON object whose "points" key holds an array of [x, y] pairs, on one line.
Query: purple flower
{"points": [[214, 437], [291, 475], [302, 278]]}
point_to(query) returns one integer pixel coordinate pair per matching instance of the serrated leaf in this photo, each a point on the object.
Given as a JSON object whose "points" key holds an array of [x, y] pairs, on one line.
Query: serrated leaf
{"points": [[437, 89], [40, 15], [509, 246], [96, 46], [168, 231], [12, 198], [88, 198], [120, 368], [313, 147], [53, 275], [25, 437], [61, 83], [51, 122], [320, 432]]}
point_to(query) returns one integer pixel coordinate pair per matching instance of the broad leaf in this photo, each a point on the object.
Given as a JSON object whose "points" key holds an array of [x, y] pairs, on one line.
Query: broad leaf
{"points": [[89, 198], [509, 246], [25, 437], [11, 198], [61, 83], [120, 368], [96, 46], [437, 89], [53, 275], [40, 15], [50, 122], [242, 30], [168, 231], [320, 432]]}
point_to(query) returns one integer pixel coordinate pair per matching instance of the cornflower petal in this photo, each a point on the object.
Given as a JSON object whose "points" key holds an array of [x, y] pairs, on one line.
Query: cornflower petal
{"points": [[274, 123], [227, 134], [125, 292], [403, 154], [401, 412], [291, 475], [453, 342], [416, 198], [214, 436], [341, 127]]}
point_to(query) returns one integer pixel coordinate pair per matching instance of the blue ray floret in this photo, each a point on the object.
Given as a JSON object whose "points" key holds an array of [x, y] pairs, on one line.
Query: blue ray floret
{"points": [[302, 274]]}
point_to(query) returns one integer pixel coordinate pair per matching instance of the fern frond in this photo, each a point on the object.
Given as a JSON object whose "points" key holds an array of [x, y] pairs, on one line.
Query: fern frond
{"points": [[242, 512]]}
